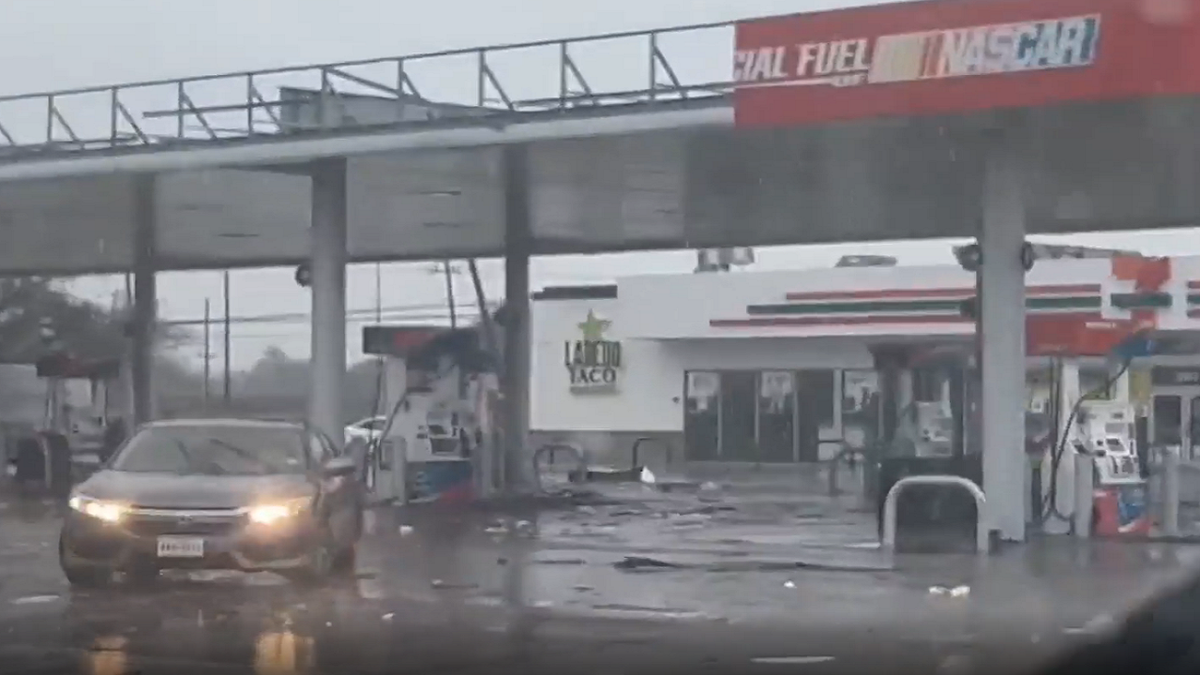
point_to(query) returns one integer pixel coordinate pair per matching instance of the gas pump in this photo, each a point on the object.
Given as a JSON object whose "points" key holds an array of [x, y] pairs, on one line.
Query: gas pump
{"points": [[1119, 494], [925, 411], [1093, 430], [427, 450]]}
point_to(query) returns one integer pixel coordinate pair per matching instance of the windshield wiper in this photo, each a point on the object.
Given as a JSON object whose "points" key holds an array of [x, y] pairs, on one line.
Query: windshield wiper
{"points": [[209, 467], [243, 453], [188, 458]]}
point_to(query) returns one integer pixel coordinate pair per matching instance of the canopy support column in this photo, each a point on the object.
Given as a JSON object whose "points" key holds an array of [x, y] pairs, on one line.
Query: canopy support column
{"points": [[518, 247], [143, 316], [328, 268], [1002, 325]]}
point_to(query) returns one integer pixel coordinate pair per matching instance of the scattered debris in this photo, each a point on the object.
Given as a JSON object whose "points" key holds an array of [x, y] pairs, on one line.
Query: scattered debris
{"points": [[791, 660], [1098, 625], [35, 600], [438, 583], [634, 562], [709, 510], [561, 561], [650, 611]]}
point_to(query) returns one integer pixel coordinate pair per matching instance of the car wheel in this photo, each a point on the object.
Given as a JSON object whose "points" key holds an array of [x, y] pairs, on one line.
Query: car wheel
{"points": [[82, 576], [318, 566]]}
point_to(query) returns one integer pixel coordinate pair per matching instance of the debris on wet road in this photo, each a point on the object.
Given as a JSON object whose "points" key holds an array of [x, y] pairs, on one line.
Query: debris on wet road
{"points": [[609, 577]]}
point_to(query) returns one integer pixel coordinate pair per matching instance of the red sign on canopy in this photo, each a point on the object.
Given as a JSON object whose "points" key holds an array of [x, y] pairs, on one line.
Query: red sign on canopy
{"points": [[950, 56], [1075, 336]]}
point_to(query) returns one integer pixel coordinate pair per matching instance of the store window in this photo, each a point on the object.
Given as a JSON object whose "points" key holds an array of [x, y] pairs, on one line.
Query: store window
{"points": [[771, 416], [739, 418], [817, 413], [860, 408], [777, 416], [702, 417]]}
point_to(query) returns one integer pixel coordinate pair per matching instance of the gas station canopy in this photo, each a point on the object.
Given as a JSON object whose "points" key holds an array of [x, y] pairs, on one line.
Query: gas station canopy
{"points": [[855, 124]]}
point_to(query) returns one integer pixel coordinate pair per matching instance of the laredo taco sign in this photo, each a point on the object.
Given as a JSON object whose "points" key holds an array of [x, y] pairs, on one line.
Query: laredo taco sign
{"points": [[593, 362]]}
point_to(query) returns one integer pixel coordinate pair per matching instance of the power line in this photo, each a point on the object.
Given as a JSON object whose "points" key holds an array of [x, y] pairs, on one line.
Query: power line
{"points": [[398, 312]]}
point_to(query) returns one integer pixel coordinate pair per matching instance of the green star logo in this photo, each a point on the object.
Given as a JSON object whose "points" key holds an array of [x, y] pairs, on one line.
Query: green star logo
{"points": [[593, 327]]}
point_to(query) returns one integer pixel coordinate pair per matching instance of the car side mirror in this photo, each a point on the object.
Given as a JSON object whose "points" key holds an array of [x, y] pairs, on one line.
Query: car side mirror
{"points": [[339, 466]]}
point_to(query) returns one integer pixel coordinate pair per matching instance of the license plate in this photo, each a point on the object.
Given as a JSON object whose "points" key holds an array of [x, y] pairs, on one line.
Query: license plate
{"points": [[180, 547]]}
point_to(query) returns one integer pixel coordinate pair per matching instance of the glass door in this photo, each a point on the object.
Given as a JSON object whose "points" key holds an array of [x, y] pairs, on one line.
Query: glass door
{"points": [[739, 416], [777, 416], [702, 416], [1175, 421], [1192, 442], [1166, 423], [815, 392]]}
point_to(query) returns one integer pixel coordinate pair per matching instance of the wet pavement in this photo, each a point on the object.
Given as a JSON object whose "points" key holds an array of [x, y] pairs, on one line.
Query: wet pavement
{"points": [[633, 581]]}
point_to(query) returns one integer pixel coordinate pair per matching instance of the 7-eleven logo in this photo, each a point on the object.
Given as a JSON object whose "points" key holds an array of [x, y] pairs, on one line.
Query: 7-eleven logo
{"points": [[1139, 291]]}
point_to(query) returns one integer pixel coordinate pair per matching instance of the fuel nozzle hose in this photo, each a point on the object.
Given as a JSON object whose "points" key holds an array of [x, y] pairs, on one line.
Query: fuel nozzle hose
{"points": [[1050, 501]]}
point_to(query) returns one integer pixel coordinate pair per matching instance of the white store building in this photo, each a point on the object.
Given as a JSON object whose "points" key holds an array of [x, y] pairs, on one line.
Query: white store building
{"points": [[777, 367]]}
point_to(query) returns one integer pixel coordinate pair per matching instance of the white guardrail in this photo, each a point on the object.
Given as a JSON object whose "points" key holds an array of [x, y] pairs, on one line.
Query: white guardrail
{"points": [[982, 536]]}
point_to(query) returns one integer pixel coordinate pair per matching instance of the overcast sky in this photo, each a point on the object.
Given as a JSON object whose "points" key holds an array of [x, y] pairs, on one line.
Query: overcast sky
{"points": [[58, 44]]}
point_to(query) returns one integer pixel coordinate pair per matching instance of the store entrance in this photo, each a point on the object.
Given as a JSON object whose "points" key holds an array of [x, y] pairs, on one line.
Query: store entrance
{"points": [[1175, 419], [758, 417]]}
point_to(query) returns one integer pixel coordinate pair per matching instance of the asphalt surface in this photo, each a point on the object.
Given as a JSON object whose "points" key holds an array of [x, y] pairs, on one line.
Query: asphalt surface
{"points": [[635, 583]]}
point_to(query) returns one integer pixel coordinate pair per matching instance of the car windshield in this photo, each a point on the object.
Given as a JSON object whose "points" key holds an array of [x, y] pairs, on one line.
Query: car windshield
{"points": [[213, 450]]}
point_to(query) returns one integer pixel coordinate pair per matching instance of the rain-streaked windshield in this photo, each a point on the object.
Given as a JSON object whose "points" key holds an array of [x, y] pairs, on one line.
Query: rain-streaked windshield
{"points": [[213, 450]]}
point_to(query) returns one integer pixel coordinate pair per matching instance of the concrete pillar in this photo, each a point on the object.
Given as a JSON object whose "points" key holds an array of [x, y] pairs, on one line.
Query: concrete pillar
{"points": [[518, 246], [1169, 466], [1085, 479], [1062, 483], [328, 266], [144, 311], [1002, 308]]}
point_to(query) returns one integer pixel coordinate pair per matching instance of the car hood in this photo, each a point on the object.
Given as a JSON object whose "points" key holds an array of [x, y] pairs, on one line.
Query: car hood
{"points": [[192, 492]]}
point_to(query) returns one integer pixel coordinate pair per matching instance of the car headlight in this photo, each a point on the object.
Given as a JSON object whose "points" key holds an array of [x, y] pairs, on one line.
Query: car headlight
{"points": [[269, 514], [100, 509]]}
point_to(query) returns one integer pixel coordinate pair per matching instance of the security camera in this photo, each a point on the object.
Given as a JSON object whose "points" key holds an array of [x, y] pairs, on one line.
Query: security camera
{"points": [[969, 257], [303, 275]]}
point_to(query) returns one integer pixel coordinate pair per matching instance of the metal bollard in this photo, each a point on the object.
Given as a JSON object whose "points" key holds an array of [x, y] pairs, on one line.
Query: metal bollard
{"points": [[400, 470], [982, 528], [1170, 490], [1085, 485], [485, 454]]}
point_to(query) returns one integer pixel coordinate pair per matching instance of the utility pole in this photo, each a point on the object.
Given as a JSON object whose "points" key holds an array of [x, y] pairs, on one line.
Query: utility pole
{"points": [[207, 351], [227, 393], [449, 272], [378, 293]]}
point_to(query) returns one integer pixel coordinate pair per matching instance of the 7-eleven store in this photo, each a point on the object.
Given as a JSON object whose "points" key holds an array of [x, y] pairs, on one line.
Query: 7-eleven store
{"points": [[783, 366]]}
